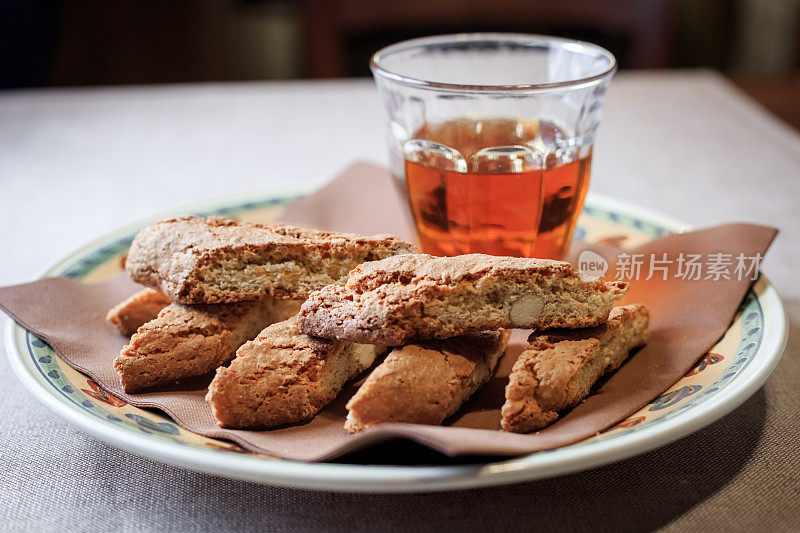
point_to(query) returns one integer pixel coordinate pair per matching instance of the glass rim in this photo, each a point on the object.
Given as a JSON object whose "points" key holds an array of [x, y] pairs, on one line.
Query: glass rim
{"points": [[517, 38]]}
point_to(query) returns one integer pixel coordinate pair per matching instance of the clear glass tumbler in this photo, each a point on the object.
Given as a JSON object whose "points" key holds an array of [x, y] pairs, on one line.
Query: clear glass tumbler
{"points": [[490, 137]]}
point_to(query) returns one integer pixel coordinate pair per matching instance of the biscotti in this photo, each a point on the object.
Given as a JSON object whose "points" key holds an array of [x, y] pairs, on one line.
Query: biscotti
{"points": [[194, 260], [283, 376], [425, 384], [142, 307], [187, 341], [410, 297], [558, 369]]}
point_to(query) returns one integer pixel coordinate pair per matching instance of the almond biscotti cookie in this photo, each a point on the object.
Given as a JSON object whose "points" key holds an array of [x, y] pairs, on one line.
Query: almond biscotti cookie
{"points": [[558, 369], [409, 297], [425, 384], [187, 341], [142, 307], [283, 376], [194, 260]]}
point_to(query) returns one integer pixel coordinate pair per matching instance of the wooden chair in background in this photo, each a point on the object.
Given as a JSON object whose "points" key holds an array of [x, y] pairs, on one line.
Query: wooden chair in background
{"points": [[639, 32]]}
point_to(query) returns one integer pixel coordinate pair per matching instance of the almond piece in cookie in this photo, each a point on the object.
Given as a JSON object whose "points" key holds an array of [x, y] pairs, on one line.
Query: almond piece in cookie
{"points": [[559, 367], [425, 384], [216, 260], [283, 376], [187, 341], [133, 313], [406, 298]]}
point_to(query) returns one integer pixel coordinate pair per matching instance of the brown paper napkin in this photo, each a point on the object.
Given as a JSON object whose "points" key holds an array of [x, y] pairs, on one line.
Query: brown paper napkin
{"points": [[688, 317]]}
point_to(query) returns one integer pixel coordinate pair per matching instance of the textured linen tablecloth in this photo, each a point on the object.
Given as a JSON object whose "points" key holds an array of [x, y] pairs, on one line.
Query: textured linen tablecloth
{"points": [[76, 163]]}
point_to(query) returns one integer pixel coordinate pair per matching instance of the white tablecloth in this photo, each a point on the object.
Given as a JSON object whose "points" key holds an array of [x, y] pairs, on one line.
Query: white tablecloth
{"points": [[77, 163]]}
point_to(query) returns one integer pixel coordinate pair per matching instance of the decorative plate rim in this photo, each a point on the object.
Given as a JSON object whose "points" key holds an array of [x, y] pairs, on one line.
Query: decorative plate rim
{"points": [[368, 478]]}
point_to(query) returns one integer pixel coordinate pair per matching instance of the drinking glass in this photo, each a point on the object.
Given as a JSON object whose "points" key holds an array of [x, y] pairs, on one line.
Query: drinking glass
{"points": [[491, 137]]}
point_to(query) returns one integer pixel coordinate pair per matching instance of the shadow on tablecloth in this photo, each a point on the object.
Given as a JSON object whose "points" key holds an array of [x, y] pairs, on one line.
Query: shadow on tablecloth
{"points": [[637, 494]]}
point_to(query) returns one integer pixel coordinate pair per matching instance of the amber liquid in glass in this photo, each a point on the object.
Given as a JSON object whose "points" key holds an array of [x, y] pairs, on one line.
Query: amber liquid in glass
{"points": [[498, 207]]}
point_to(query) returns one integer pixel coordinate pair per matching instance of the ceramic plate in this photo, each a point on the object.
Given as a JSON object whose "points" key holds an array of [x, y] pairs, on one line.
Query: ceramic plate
{"points": [[732, 371]]}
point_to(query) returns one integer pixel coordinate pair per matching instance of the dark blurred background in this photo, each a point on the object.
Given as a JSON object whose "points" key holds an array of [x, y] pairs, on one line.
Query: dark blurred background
{"points": [[45, 43]]}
